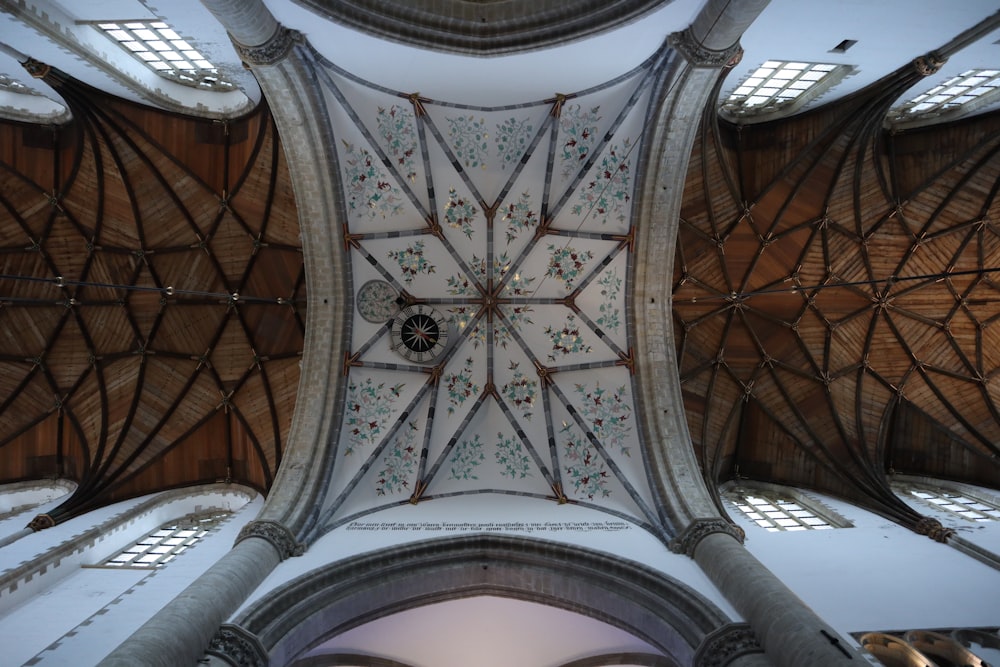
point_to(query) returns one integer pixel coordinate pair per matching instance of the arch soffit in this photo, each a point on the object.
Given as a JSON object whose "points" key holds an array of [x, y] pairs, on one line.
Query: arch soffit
{"points": [[483, 28], [330, 600]]}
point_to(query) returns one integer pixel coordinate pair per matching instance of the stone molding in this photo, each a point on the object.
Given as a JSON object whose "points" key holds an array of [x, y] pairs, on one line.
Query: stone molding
{"points": [[721, 647], [277, 534], [238, 647], [270, 52], [699, 529], [929, 63], [933, 529], [483, 27], [41, 522], [673, 617], [36, 68], [699, 56]]}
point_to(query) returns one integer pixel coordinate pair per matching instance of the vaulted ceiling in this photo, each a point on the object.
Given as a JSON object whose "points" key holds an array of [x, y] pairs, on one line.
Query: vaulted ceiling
{"points": [[834, 297], [152, 298]]}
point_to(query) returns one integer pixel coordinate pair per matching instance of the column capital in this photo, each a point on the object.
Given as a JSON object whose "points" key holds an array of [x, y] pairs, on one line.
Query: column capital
{"points": [[933, 529], [723, 645], [273, 51], [238, 647], [277, 534], [929, 63], [36, 68], [41, 522], [699, 529], [699, 55]]}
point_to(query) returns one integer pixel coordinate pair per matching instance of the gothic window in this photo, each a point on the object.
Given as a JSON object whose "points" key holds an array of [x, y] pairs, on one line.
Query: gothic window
{"points": [[776, 510], [168, 541], [956, 96], [781, 86], [979, 508], [161, 49]]}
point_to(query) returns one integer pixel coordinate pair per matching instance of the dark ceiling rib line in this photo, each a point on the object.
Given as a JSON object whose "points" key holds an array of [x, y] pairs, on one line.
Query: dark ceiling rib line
{"points": [[168, 291], [947, 404], [108, 476], [961, 188], [890, 280], [326, 518]]}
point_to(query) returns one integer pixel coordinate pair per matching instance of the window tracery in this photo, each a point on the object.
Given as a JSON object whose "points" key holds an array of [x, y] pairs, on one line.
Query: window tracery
{"points": [[161, 49], [781, 86], [168, 541], [776, 509], [962, 502], [956, 96]]}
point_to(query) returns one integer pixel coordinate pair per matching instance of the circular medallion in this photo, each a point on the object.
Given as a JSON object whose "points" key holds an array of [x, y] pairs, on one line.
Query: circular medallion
{"points": [[377, 301], [419, 333]]}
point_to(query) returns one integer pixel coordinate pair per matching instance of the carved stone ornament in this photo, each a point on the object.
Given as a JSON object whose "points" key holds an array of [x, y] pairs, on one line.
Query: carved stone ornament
{"points": [[36, 68], [698, 55], [697, 530], [720, 647], [270, 52], [933, 529], [41, 522], [275, 533], [237, 647], [929, 63]]}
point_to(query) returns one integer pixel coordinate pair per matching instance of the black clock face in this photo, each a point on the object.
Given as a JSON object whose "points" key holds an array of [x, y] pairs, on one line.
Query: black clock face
{"points": [[419, 333]]}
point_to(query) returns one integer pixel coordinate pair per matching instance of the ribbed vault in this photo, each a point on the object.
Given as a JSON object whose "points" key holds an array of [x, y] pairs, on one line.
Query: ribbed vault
{"points": [[152, 301], [836, 300]]}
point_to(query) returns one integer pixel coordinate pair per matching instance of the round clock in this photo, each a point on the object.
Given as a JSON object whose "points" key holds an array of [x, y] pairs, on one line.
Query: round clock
{"points": [[377, 301], [419, 333]]}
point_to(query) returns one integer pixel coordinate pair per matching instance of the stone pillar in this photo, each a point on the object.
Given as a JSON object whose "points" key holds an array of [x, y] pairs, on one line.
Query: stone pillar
{"points": [[790, 632], [179, 633], [732, 645]]}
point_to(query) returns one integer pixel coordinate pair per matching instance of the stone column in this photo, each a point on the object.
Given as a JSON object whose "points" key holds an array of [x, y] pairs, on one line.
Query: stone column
{"points": [[733, 645], [791, 634], [180, 632]]}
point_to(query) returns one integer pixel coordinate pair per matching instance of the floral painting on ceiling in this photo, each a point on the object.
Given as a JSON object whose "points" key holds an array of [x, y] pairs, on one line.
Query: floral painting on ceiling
{"points": [[503, 234]]}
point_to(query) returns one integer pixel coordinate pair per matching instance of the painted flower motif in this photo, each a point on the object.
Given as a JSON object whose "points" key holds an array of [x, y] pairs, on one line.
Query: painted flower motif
{"points": [[611, 286], [512, 139], [512, 458], [460, 386], [467, 456], [567, 263], [411, 261], [579, 133], [369, 407], [460, 213], [608, 194], [517, 316], [399, 138], [399, 464], [585, 469], [469, 140], [520, 391], [566, 340], [369, 191], [518, 284], [609, 415], [519, 217]]}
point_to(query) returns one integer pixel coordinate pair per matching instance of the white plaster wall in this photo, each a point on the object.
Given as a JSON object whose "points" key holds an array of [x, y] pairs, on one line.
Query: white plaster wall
{"points": [[84, 615], [510, 515], [881, 576], [131, 527]]}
